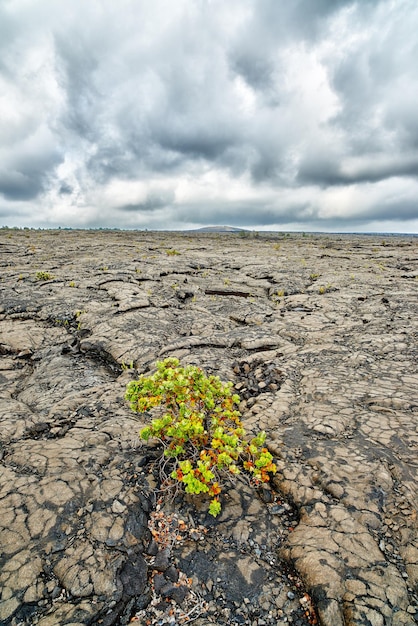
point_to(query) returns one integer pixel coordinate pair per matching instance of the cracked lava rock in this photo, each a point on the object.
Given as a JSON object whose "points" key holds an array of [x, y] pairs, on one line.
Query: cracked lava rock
{"points": [[318, 335]]}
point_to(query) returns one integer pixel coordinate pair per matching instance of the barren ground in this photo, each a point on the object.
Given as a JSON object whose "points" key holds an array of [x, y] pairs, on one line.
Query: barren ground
{"points": [[319, 335]]}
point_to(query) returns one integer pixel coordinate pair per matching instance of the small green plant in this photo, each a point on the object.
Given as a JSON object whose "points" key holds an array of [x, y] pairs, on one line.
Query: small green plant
{"points": [[72, 283], [172, 252], [324, 289], [127, 366], [44, 275], [200, 429], [314, 276], [62, 322]]}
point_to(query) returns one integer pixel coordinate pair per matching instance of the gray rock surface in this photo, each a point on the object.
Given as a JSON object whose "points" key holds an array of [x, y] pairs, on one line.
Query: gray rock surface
{"points": [[319, 335]]}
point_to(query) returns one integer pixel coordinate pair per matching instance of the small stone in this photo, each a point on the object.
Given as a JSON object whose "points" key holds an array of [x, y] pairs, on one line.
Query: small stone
{"points": [[172, 574], [290, 595], [162, 562], [152, 548], [118, 507], [159, 582], [133, 575], [176, 593], [24, 354], [265, 494], [277, 509]]}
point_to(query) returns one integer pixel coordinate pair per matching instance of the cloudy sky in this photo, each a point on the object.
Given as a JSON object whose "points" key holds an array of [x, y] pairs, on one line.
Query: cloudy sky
{"points": [[265, 114]]}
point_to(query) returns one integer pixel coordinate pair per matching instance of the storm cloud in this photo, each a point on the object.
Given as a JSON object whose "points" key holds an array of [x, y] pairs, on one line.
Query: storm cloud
{"points": [[253, 113]]}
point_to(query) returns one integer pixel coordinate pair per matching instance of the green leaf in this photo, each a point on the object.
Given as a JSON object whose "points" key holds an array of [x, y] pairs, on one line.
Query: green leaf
{"points": [[145, 433], [215, 507]]}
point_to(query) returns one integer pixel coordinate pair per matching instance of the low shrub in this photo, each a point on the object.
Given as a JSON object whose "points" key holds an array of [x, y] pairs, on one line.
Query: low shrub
{"points": [[200, 429], [44, 275]]}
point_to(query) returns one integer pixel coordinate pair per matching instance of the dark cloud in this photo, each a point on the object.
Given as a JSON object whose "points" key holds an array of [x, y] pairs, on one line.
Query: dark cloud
{"points": [[154, 200], [247, 112], [375, 79], [65, 189], [403, 209], [76, 78], [326, 172], [256, 70], [26, 176], [242, 213], [195, 142], [18, 186], [273, 24]]}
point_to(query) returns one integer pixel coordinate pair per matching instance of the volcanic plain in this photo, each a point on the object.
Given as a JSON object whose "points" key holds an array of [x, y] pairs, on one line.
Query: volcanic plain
{"points": [[318, 333]]}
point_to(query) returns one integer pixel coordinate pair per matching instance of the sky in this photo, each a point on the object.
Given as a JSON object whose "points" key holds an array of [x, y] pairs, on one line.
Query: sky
{"points": [[262, 114]]}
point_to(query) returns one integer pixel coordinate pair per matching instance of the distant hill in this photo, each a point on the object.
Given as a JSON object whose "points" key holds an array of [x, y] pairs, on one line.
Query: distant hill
{"points": [[218, 229]]}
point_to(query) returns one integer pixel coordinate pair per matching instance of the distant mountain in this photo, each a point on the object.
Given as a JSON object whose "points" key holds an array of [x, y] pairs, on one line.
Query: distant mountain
{"points": [[218, 229]]}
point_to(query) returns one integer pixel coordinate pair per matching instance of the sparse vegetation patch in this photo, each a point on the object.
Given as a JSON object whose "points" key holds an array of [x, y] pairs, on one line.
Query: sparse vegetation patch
{"points": [[200, 429], [44, 275]]}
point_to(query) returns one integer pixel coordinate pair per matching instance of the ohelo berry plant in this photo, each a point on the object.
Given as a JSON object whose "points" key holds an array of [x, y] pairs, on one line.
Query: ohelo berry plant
{"points": [[199, 428]]}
